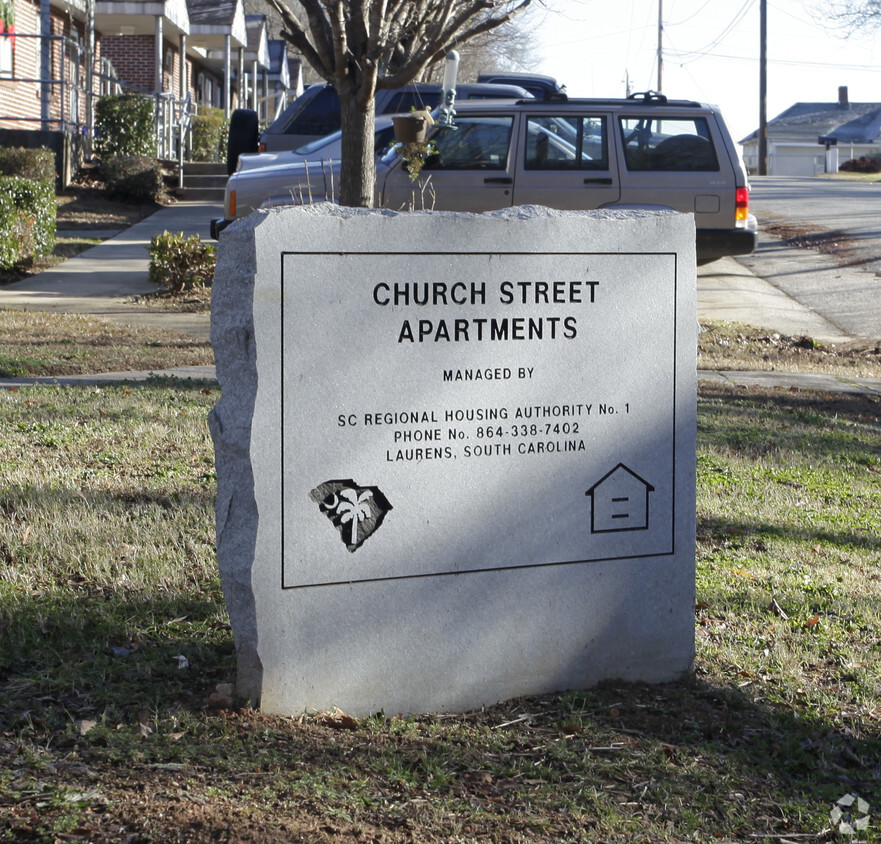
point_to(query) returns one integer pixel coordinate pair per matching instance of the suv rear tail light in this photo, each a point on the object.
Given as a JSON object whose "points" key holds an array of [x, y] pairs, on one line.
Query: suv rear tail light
{"points": [[741, 205]]}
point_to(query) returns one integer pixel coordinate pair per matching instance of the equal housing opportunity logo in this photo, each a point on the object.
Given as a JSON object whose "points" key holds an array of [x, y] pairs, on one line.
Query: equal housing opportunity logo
{"points": [[850, 815]]}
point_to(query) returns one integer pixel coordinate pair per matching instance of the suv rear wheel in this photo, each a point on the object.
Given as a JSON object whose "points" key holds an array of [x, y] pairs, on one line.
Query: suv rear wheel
{"points": [[243, 135]]}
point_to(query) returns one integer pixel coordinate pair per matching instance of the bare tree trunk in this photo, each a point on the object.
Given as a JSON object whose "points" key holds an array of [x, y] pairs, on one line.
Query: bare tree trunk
{"points": [[358, 168]]}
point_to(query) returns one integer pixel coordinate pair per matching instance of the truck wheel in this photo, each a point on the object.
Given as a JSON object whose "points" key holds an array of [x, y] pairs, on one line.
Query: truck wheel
{"points": [[243, 136]]}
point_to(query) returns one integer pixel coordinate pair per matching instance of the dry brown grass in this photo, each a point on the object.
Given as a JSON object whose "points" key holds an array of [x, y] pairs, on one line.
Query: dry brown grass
{"points": [[39, 344]]}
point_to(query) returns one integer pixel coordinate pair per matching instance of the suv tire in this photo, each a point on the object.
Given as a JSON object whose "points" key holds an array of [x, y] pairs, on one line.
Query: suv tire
{"points": [[243, 135]]}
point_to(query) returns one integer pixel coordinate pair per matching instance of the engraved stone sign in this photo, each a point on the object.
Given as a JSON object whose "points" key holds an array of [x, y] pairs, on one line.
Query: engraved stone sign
{"points": [[455, 453]]}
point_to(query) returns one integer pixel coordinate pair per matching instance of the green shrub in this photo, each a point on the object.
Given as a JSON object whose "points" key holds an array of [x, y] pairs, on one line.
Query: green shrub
{"points": [[178, 263], [27, 219], [35, 164], [124, 125], [864, 164], [210, 131], [133, 178]]}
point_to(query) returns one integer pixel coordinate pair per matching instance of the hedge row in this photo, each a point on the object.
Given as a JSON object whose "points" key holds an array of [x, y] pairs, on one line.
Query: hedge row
{"points": [[210, 132], [132, 178], [35, 164], [27, 204], [125, 125]]}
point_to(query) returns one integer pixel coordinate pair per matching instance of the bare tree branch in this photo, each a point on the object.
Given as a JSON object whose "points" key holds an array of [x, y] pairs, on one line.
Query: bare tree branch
{"points": [[360, 45], [459, 29], [319, 30], [852, 16]]}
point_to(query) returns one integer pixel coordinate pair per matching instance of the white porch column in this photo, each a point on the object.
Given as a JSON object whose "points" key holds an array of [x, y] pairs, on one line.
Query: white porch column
{"points": [[241, 76], [46, 64], [183, 87], [159, 36], [227, 75]]}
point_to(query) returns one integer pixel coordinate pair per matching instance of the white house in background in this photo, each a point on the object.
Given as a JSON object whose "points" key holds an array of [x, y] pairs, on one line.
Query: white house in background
{"points": [[794, 147]]}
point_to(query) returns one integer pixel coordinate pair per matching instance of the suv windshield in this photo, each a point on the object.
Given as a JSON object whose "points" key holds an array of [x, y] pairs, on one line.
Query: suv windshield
{"points": [[320, 118]]}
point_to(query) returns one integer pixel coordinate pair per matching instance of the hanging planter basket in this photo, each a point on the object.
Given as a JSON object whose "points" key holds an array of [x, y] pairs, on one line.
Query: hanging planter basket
{"points": [[411, 128]]}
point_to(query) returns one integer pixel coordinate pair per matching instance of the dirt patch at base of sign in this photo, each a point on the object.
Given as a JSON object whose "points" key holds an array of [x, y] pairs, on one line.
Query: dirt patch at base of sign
{"points": [[729, 346]]}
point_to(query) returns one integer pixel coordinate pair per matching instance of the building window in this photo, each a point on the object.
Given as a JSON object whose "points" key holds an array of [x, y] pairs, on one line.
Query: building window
{"points": [[168, 71], [206, 89], [7, 52], [7, 38]]}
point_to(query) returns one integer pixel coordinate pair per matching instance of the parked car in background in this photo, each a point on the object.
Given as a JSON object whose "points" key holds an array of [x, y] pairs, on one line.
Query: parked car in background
{"points": [[642, 152], [328, 148], [540, 86], [316, 113]]}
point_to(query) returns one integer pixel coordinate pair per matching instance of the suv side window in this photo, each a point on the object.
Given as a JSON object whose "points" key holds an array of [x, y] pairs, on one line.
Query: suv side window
{"points": [[566, 143], [668, 143], [477, 143]]}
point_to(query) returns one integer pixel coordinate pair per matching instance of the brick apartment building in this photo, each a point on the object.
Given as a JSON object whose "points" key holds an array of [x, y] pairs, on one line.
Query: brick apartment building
{"points": [[57, 56]]}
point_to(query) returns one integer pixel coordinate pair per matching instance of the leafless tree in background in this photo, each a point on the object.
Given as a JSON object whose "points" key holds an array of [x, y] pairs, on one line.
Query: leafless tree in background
{"points": [[511, 47], [852, 17]]}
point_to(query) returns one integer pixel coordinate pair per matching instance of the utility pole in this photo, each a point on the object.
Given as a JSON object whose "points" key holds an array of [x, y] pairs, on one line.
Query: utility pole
{"points": [[661, 44], [763, 88]]}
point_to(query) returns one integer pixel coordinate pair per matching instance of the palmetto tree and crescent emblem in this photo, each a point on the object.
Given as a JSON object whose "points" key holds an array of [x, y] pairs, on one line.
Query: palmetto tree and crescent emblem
{"points": [[355, 511]]}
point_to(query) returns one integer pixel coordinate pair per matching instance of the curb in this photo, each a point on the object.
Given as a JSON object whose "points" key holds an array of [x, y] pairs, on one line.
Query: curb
{"points": [[793, 381], [183, 374]]}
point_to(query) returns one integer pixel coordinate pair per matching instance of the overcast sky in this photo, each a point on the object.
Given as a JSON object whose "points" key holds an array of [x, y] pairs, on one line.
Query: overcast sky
{"points": [[710, 52]]}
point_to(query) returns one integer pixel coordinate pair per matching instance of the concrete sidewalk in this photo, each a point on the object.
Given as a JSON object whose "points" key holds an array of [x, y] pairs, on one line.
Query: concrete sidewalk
{"points": [[731, 292], [103, 281]]}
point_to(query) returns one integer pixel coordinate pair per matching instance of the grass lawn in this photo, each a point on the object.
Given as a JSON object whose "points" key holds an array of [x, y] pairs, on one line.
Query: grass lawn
{"points": [[114, 640], [39, 344]]}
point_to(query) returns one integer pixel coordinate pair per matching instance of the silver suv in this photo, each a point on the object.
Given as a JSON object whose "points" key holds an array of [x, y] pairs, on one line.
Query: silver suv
{"points": [[643, 152]]}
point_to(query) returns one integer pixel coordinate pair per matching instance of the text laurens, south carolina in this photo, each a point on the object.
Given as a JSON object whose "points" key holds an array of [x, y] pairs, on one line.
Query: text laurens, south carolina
{"points": [[535, 294]]}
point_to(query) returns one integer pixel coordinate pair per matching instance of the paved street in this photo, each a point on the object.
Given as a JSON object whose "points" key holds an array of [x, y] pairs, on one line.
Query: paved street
{"points": [[836, 204], [848, 297]]}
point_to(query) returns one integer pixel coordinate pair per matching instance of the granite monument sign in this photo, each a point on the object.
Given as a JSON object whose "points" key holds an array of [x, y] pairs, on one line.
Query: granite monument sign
{"points": [[455, 453]]}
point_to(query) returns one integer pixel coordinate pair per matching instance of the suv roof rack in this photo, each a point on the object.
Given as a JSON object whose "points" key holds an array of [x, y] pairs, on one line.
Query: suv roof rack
{"points": [[649, 97]]}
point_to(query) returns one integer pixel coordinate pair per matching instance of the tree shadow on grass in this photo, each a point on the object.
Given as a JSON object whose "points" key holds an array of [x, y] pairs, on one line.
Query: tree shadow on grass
{"points": [[101, 591], [102, 650], [811, 424]]}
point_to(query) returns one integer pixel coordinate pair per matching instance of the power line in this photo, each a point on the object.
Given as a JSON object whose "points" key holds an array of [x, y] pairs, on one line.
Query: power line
{"points": [[788, 62], [692, 15], [729, 28]]}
